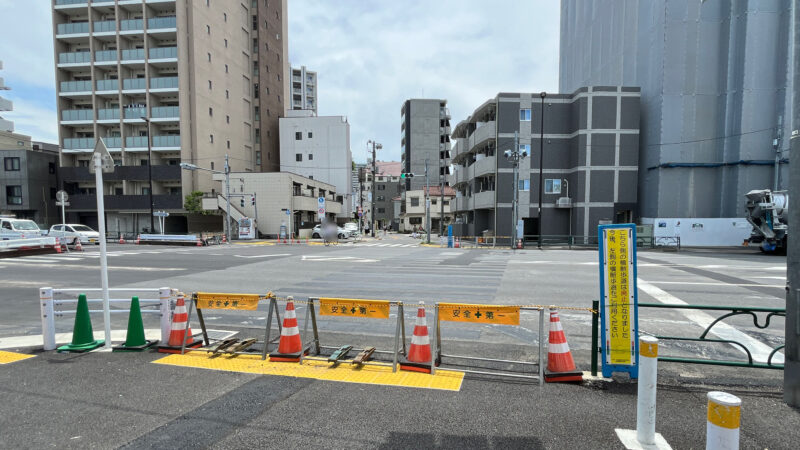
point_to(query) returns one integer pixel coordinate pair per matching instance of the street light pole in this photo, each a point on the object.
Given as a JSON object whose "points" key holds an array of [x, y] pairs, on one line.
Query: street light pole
{"points": [[375, 146], [150, 172], [514, 156], [427, 203], [227, 199], [541, 173]]}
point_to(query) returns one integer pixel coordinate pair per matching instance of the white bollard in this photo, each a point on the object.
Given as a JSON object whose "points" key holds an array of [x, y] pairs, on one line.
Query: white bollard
{"points": [[724, 417], [48, 318], [164, 294], [646, 397]]}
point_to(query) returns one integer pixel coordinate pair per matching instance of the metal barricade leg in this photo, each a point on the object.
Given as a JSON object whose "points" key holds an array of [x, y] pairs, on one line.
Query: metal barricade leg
{"points": [[314, 326], [435, 338], [541, 346], [402, 315], [396, 347], [164, 294], [272, 304], [48, 318], [186, 328]]}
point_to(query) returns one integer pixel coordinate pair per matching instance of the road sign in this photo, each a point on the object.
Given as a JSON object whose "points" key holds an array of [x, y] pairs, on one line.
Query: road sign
{"points": [[62, 196], [619, 313], [288, 212], [160, 214], [106, 161], [62, 203], [321, 207]]}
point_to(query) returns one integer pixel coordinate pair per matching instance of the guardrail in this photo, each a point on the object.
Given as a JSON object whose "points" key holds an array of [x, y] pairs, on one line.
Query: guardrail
{"points": [[52, 299], [732, 311], [19, 244]]}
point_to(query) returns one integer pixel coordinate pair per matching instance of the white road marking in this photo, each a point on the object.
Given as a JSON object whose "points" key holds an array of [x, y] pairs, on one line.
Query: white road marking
{"points": [[261, 256], [772, 278], [337, 258], [722, 330], [718, 283]]}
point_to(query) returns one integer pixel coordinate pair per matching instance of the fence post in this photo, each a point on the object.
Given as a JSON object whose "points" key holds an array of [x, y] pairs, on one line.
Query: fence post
{"points": [[164, 295], [48, 318], [646, 391], [595, 326], [723, 420]]}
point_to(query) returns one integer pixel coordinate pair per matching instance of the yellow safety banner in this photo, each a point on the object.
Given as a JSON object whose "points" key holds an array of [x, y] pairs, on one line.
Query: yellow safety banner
{"points": [[620, 298], [464, 312], [212, 300], [352, 307]]}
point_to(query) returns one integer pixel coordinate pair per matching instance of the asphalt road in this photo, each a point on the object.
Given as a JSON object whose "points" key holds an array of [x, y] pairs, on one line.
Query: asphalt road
{"points": [[108, 400]]}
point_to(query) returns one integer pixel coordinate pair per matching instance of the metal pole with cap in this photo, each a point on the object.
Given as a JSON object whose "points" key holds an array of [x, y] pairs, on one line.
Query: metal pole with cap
{"points": [[102, 162]]}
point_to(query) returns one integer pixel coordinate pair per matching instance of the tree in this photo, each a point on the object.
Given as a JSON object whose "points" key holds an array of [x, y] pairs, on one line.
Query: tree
{"points": [[193, 203]]}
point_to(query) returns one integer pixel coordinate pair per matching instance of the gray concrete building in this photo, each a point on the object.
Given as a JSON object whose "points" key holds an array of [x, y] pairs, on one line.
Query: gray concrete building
{"points": [[6, 105], [28, 179], [591, 151], [387, 187], [425, 131], [716, 93], [304, 89]]}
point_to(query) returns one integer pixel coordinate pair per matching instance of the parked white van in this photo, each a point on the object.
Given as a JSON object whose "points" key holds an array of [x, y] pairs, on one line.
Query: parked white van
{"points": [[18, 229], [71, 232]]}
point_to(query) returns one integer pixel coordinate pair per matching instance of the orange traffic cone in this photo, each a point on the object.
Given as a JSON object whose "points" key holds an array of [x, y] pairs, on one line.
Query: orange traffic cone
{"points": [[560, 365], [58, 245], [178, 330], [121, 239], [224, 238], [457, 244], [78, 246], [199, 242], [137, 239], [419, 354], [290, 347]]}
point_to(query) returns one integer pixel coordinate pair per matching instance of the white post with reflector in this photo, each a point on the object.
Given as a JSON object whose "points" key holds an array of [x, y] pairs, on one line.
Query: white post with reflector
{"points": [[102, 162], [724, 417]]}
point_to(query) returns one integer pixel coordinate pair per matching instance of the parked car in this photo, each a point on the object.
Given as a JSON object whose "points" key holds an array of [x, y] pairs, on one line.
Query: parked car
{"points": [[316, 233], [352, 228], [11, 228], [71, 232]]}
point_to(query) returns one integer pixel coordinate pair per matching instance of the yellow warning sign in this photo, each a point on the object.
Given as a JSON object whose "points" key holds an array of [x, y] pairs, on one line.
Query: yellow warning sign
{"points": [[351, 307], [618, 265], [463, 312], [211, 300]]}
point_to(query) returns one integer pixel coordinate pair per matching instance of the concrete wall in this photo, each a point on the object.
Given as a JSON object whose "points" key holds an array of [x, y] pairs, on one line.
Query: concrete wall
{"points": [[714, 87]]}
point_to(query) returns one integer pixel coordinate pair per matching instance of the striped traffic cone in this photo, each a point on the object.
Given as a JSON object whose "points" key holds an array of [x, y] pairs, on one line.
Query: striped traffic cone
{"points": [[121, 239], [419, 354], [179, 329], [560, 365], [58, 245], [290, 347]]}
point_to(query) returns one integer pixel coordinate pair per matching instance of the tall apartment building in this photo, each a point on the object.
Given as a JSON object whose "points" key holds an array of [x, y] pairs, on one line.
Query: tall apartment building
{"points": [[209, 75], [318, 148], [5, 106], [716, 93], [590, 162], [304, 89], [425, 131]]}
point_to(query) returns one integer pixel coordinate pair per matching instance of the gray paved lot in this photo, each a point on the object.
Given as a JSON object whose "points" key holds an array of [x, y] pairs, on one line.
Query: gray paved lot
{"points": [[158, 405]]}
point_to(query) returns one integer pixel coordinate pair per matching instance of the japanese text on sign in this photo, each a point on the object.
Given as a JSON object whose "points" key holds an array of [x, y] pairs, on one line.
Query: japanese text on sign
{"points": [[374, 309], [462, 312], [208, 300], [618, 294]]}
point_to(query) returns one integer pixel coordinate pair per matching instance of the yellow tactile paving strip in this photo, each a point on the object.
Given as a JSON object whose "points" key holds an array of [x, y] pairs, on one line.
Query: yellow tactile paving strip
{"points": [[10, 357], [370, 374], [254, 243]]}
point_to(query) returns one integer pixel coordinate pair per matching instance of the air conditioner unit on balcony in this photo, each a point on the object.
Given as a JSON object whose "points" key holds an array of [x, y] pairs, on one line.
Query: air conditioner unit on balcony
{"points": [[564, 202]]}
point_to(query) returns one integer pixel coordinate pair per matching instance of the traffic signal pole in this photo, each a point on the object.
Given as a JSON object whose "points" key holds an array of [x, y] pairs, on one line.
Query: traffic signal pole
{"points": [[791, 371]]}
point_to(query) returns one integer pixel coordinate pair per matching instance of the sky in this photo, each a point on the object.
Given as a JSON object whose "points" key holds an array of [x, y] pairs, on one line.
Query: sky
{"points": [[370, 56]]}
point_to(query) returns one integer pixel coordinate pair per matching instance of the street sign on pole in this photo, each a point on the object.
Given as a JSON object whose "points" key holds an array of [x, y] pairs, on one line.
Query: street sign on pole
{"points": [[321, 207], [102, 163]]}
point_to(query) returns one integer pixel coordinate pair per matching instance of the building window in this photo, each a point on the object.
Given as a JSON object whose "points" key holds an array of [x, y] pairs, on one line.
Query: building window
{"points": [[298, 157], [211, 112], [298, 136], [211, 138], [310, 134], [381, 187], [209, 57], [525, 148], [142, 162], [227, 93], [14, 195], [258, 158], [524, 185], [226, 43], [310, 156], [12, 164], [225, 17], [209, 85], [228, 144], [51, 168], [381, 210], [525, 114], [212, 165], [208, 29], [552, 186], [414, 201], [227, 119], [226, 68], [145, 190]]}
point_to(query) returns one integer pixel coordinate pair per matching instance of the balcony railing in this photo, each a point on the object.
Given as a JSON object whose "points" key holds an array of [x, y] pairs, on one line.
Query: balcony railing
{"points": [[78, 143], [76, 86], [133, 54], [72, 28], [135, 113], [105, 55], [105, 26], [162, 22], [120, 173], [161, 112], [107, 85], [126, 202], [108, 114], [135, 141], [71, 2], [131, 25], [164, 83], [134, 83], [77, 114], [163, 52], [75, 58], [166, 141], [113, 142]]}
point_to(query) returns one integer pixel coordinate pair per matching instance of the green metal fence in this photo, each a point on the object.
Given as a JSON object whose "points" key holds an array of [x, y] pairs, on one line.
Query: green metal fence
{"points": [[732, 311]]}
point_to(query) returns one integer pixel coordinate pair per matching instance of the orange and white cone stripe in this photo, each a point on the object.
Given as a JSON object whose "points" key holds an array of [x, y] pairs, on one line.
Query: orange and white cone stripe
{"points": [[420, 350], [559, 358], [290, 334]]}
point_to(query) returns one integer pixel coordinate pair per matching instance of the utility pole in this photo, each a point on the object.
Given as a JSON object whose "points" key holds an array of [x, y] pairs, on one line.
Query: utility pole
{"points": [[227, 199], [150, 172], [441, 196], [541, 173], [514, 157], [427, 203], [791, 371], [378, 146]]}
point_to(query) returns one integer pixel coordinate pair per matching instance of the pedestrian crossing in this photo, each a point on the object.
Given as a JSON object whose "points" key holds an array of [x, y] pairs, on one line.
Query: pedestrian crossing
{"points": [[74, 257], [390, 245]]}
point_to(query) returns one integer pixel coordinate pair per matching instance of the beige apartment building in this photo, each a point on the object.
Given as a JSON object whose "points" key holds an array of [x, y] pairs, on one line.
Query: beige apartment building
{"points": [[208, 75]]}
